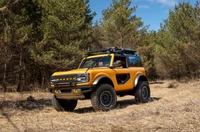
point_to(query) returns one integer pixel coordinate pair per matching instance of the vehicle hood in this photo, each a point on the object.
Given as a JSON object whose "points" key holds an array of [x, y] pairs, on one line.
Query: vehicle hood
{"points": [[75, 71], [78, 71]]}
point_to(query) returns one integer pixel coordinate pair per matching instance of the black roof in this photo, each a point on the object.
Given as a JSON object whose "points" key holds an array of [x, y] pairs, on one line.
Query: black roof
{"points": [[110, 50]]}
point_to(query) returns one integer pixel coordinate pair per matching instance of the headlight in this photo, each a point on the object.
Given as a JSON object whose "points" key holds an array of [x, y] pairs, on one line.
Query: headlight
{"points": [[52, 80], [83, 78]]}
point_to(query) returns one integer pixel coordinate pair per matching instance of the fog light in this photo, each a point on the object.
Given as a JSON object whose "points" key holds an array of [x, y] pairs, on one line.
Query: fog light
{"points": [[57, 91], [75, 91]]}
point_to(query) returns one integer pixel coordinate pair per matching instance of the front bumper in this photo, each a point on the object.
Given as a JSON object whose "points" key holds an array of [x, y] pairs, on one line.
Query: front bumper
{"points": [[71, 92], [70, 96]]}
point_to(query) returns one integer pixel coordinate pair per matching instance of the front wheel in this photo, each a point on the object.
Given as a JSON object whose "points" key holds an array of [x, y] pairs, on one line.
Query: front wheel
{"points": [[103, 98], [142, 93], [63, 105]]}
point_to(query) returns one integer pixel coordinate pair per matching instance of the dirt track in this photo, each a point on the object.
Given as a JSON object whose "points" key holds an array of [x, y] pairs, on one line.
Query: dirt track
{"points": [[170, 109]]}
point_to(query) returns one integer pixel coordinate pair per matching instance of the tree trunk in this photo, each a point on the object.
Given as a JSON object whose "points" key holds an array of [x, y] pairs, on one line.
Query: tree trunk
{"points": [[43, 79], [20, 85], [19, 82], [5, 69], [122, 40], [4, 78]]}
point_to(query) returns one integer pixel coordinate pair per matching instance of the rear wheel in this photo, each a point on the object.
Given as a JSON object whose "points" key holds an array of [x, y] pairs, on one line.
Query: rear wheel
{"points": [[142, 93], [63, 105], [103, 98]]}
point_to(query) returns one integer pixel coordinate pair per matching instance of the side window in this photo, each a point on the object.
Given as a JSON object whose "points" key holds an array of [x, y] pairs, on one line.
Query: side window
{"points": [[135, 61], [106, 60], [122, 60]]}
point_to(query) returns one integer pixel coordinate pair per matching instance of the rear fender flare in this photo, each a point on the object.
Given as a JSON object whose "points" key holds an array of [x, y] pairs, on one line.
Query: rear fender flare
{"points": [[139, 77]]}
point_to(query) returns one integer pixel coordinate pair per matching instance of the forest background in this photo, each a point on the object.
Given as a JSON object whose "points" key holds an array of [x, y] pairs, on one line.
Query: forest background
{"points": [[39, 37]]}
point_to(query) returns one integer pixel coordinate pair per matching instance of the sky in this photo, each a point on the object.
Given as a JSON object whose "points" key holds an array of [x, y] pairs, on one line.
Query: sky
{"points": [[152, 12]]}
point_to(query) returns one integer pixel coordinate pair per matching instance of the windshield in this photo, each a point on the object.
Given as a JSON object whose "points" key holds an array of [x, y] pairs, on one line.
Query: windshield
{"points": [[96, 62]]}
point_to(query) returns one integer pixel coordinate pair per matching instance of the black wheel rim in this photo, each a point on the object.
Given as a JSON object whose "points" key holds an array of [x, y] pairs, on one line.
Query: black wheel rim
{"points": [[145, 92], [106, 98]]}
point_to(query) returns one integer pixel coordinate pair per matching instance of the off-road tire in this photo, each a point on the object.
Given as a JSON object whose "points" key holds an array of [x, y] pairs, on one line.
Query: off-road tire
{"points": [[63, 105], [103, 98], [142, 93]]}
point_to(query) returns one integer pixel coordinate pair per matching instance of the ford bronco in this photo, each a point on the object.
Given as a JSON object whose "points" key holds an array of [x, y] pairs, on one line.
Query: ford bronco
{"points": [[101, 76]]}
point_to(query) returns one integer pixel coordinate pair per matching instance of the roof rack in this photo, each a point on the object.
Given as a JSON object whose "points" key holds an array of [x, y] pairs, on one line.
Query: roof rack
{"points": [[110, 50]]}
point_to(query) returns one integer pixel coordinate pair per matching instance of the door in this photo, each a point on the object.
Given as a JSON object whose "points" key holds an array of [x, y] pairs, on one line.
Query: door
{"points": [[122, 75]]}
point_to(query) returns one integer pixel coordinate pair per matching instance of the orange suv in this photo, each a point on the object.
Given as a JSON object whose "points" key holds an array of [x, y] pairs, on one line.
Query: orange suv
{"points": [[101, 76]]}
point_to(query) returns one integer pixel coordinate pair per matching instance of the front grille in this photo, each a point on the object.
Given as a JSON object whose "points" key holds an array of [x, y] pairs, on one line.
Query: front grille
{"points": [[65, 78], [69, 80]]}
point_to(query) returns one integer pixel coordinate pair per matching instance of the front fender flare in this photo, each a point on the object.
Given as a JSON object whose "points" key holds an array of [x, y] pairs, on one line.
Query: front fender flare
{"points": [[97, 80]]}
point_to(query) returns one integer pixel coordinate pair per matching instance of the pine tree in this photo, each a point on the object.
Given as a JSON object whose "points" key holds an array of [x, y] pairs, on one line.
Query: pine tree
{"points": [[19, 24], [119, 26], [183, 24], [66, 26], [147, 52]]}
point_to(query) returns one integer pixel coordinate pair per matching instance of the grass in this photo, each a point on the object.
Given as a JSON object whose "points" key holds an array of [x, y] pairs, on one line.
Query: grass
{"points": [[173, 107]]}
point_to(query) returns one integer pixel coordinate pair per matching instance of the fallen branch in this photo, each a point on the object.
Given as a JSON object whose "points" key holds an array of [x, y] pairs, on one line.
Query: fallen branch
{"points": [[8, 5]]}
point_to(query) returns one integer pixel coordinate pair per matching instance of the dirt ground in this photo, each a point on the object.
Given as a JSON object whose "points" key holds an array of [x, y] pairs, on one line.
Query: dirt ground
{"points": [[170, 109]]}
